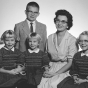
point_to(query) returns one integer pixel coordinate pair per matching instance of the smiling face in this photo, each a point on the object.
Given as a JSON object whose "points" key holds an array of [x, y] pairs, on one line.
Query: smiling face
{"points": [[32, 13], [33, 43], [83, 42], [61, 23], [9, 41]]}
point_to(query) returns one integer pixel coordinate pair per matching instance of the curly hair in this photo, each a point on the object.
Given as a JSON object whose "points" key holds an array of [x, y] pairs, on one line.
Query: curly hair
{"points": [[67, 14]]}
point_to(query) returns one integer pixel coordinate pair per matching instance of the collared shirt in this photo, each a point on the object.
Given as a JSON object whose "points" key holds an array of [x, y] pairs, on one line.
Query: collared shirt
{"points": [[83, 54], [34, 51], [9, 49], [34, 25]]}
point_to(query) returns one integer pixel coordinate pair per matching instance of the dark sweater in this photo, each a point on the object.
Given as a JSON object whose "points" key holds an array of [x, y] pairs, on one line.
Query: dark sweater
{"points": [[80, 65], [34, 63], [9, 60]]}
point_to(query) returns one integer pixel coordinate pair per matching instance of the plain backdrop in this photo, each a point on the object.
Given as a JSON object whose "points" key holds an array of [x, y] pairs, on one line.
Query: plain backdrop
{"points": [[13, 11]]}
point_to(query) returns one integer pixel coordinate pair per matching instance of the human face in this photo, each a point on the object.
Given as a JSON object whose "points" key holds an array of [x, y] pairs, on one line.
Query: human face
{"points": [[83, 42], [9, 42], [32, 13], [61, 23], [33, 43]]}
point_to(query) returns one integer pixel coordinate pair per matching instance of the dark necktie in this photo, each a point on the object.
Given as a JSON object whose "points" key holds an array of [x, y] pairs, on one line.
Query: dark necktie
{"points": [[31, 27]]}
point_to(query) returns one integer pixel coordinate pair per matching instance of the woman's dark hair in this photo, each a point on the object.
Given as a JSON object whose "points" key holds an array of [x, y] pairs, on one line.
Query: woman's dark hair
{"points": [[67, 14]]}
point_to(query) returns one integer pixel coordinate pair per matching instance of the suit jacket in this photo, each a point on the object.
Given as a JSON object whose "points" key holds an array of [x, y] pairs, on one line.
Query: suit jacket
{"points": [[22, 31]]}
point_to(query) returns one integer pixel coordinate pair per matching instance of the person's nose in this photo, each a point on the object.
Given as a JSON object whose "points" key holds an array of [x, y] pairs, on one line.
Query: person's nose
{"points": [[9, 42]]}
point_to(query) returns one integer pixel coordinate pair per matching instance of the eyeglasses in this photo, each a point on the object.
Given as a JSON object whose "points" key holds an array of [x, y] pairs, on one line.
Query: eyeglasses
{"points": [[81, 41], [32, 12], [62, 21]]}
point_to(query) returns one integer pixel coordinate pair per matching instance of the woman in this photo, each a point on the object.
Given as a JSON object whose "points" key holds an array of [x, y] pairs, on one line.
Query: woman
{"points": [[61, 47], [79, 70]]}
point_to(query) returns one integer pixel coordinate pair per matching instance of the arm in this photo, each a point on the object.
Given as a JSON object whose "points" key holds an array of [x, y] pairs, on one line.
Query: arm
{"points": [[16, 30], [13, 72], [72, 49], [65, 67], [74, 68], [4, 71], [20, 63], [46, 61], [62, 70], [45, 37]]}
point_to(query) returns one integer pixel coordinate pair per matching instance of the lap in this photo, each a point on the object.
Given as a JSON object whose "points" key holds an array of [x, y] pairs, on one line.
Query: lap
{"points": [[69, 83]]}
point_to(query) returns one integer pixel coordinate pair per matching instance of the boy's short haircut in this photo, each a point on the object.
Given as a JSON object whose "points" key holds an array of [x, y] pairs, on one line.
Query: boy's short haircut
{"points": [[34, 4], [83, 33], [8, 34], [35, 35]]}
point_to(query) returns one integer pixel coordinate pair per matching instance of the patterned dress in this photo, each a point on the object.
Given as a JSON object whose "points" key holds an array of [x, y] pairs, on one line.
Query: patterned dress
{"points": [[9, 60], [79, 68], [34, 63], [66, 50]]}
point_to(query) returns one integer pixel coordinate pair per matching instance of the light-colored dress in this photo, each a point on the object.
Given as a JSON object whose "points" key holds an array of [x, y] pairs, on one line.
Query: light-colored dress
{"points": [[66, 49]]}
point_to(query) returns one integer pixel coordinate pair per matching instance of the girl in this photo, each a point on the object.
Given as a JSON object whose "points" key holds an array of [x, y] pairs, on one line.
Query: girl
{"points": [[35, 60], [11, 60]]}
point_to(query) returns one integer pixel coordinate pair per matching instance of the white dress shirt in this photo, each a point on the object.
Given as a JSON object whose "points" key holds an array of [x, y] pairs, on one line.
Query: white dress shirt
{"points": [[34, 51], [34, 25]]}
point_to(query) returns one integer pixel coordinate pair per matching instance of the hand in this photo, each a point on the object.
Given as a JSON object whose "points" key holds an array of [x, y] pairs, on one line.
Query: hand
{"points": [[23, 73], [19, 68], [48, 74], [13, 72], [75, 77], [79, 81], [47, 68]]}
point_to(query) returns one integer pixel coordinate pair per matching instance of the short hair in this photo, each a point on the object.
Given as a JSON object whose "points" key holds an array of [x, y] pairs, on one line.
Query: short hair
{"points": [[67, 14], [34, 4], [8, 34], [83, 33], [35, 35]]}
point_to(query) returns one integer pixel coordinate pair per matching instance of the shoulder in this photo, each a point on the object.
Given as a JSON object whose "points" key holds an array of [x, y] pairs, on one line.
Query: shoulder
{"points": [[2, 50], [43, 53], [71, 37], [78, 54], [26, 53], [20, 23], [40, 24], [51, 35], [17, 51]]}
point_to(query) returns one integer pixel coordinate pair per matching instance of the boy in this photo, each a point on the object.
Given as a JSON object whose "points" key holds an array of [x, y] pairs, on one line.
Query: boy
{"points": [[24, 28]]}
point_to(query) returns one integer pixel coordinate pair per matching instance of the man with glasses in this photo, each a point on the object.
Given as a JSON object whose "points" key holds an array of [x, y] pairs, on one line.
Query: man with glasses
{"points": [[24, 28]]}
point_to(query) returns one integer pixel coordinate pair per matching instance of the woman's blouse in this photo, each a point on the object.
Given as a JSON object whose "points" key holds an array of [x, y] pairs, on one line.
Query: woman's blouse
{"points": [[66, 49]]}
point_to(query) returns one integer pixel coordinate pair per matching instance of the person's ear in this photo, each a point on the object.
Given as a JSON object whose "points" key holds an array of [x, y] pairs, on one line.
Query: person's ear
{"points": [[25, 12], [38, 14]]}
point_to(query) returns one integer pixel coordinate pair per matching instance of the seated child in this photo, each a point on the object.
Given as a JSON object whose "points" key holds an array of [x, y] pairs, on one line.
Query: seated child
{"points": [[11, 62], [35, 60], [79, 69]]}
